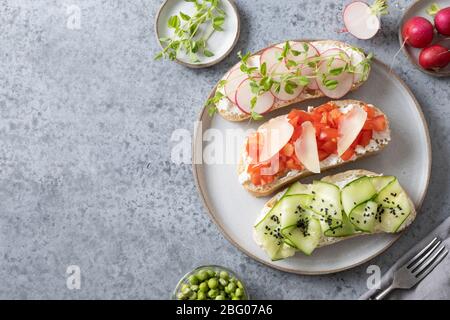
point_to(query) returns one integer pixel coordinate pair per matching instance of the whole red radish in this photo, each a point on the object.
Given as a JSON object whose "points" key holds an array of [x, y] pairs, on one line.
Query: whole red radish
{"points": [[418, 32], [442, 21], [435, 56]]}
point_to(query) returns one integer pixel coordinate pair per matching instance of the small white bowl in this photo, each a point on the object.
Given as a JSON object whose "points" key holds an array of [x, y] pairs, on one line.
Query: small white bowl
{"points": [[220, 43]]}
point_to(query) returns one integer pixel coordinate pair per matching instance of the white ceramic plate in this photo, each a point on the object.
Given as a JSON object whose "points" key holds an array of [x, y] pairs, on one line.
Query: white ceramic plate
{"points": [[419, 8], [220, 43], [408, 157]]}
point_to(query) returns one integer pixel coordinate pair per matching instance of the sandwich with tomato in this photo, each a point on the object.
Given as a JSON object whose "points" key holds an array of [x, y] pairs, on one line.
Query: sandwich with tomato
{"points": [[302, 143]]}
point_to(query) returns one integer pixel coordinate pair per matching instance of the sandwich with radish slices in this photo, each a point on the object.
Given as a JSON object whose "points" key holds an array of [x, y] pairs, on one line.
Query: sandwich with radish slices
{"points": [[287, 73], [302, 143]]}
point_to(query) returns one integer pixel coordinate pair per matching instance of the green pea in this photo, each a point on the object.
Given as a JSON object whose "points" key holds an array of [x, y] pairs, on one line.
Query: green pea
{"points": [[193, 279], [235, 298], [193, 296], [220, 297], [202, 275], [184, 286], [194, 287], [213, 283], [239, 284], [201, 295], [203, 287], [239, 292], [224, 275], [223, 282], [181, 296], [186, 291], [212, 293], [211, 273], [226, 289], [231, 287]]}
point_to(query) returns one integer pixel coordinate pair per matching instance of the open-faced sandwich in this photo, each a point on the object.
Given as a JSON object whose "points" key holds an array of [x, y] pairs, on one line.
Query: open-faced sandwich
{"points": [[287, 73], [300, 143], [307, 216]]}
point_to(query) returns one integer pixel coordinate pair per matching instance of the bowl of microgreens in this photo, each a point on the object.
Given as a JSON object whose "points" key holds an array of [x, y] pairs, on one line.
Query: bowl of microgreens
{"points": [[196, 33]]}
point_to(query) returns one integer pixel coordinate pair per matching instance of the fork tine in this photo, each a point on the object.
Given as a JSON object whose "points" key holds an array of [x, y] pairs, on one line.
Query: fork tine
{"points": [[420, 268], [430, 268], [417, 257]]}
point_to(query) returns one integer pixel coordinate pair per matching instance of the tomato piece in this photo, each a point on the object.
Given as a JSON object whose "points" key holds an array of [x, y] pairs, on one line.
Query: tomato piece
{"points": [[324, 118], [368, 125], [379, 123], [291, 164], [316, 117], [371, 112], [329, 146], [299, 116], [347, 155], [266, 180], [255, 178], [334, 117], [319, 126], [288, 150], [323, 154], [364, 137], [297, 133], [325, 107], [328, 133]]}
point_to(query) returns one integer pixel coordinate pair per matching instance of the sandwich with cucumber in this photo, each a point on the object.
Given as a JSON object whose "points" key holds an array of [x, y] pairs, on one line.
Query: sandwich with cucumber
{"points": [[304, 217], [287, 73], [302, 143]]}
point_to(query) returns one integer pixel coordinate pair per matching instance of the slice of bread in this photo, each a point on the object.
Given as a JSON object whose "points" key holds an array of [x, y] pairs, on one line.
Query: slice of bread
{"points": [[293, 175], [344, 176], [233, 113]]}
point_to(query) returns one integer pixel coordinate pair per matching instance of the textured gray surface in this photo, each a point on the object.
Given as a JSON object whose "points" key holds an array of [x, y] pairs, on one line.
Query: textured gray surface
{"points": [[85, 170]]}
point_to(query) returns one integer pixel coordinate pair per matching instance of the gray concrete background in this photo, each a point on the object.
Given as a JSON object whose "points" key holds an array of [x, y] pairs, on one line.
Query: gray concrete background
{"points": [[85, 173]]}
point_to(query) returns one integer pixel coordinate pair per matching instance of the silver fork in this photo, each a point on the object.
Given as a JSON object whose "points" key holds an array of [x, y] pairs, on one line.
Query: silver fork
{"points": [[417, 268]]}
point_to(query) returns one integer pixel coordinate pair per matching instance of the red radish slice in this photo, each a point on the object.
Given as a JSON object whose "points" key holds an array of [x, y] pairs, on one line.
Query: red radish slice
{"points": [[302, 58], [232, 83], [244, 95], [310, 72], [270, 57], [335, 53], [344, 80], [360, 20], [275, 134], [276, 73], [356, 58], [236, 76], [300, 47], [306, 148], [350, 127]]}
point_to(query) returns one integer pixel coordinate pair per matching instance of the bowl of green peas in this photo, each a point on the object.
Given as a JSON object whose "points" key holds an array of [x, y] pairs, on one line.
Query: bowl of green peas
{"points": [[210, 283]]}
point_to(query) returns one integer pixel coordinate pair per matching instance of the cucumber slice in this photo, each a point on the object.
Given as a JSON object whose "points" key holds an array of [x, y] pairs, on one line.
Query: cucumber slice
{"points": [[284, 251], [326, 201], [363, 217], [298, 188], [394, 207], [305, 234], [345, 229], [380, 182], [327, 223], [357, 192], [292, 207], [268, 235], [391, 195]]}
